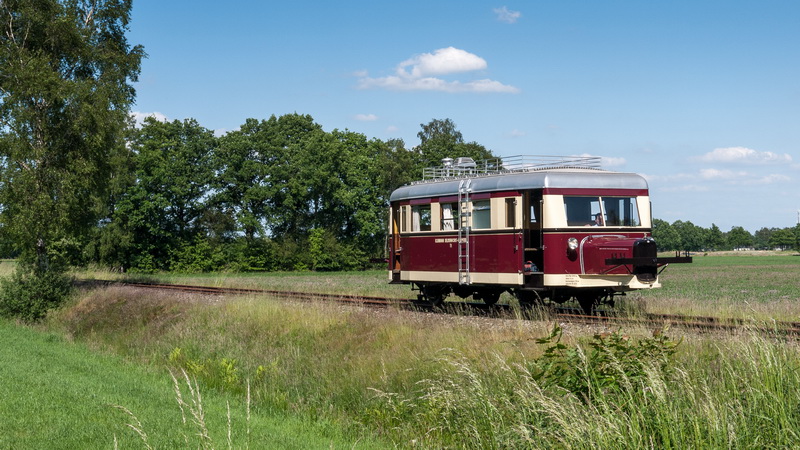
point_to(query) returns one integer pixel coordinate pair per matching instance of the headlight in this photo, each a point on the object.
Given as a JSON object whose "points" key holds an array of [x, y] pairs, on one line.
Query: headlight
{"points": [[572, 244]]}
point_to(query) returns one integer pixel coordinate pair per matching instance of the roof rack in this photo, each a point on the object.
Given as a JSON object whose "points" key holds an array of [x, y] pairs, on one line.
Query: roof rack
{"points": [[467, 167]]}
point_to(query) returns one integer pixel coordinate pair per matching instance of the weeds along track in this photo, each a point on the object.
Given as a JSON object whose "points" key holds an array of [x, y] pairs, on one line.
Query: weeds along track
{"points": [[564, 315]]}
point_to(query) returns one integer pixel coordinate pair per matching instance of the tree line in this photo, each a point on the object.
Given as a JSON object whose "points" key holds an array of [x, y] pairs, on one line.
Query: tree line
{"points": [[277, 194], [686, 236]]}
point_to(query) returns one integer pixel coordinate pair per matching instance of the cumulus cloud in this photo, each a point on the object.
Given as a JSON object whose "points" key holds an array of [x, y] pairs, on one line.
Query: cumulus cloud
{"points": [[441, 62], [139, 117], [743, 155], [366, 117], [685, 188], [506, 15], [420, 73], [770, 179], [716, 174]]}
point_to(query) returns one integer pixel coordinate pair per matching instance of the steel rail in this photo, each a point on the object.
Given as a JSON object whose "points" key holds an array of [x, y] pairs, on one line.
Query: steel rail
{"points": [[703, 323]]}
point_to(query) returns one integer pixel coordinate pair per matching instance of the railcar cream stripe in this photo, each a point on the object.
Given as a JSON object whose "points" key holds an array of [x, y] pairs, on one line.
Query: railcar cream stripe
{"points": [[452, 277], [618, 282]]}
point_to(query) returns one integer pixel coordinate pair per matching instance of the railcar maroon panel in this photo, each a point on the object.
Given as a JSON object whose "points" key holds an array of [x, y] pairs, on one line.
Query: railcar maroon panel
{"points": [[591, 253], [489, 253]]}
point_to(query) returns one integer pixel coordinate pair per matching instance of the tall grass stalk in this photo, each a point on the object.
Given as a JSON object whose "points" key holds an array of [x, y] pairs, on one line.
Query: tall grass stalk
{"points": [[434, 381]]}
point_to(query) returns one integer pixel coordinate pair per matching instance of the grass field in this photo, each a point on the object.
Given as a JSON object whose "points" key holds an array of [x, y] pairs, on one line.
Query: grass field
{"points": [[755, 285], [427, 380], [57, 394]]}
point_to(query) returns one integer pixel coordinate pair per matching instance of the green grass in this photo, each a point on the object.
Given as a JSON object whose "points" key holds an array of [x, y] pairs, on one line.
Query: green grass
{"points": [[423, 380], [746, 285], [56, 394], [755, 285], [370, 282]]}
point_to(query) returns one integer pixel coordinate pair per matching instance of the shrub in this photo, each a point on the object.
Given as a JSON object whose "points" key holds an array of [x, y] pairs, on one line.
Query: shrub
{"points": [[29, 294], [614, 363]]}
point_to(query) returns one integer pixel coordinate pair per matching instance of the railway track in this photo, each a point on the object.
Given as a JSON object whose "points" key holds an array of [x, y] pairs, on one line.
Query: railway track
{"points": [[609, 318]]}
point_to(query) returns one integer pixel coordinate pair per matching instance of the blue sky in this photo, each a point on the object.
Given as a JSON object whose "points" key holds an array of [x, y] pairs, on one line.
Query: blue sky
{"points": [[702, 96]]}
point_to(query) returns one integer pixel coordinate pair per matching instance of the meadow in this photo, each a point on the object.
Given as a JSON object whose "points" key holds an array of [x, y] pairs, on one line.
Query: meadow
{"points": [[429, 380], [759, 285]]}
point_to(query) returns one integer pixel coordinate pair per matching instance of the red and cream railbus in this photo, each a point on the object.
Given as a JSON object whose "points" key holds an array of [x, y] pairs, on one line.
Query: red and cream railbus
{"points": [[538, 227]]}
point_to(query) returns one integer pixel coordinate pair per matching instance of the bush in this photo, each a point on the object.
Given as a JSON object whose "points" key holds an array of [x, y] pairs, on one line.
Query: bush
{"points": [[29, 295]]}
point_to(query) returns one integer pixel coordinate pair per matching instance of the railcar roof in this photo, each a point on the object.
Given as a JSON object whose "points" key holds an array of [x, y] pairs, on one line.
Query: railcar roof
{"points": [[552, 178]]}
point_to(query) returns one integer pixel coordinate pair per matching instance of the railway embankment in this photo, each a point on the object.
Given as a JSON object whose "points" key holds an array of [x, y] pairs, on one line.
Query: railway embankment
{"points": [[418, 378]]}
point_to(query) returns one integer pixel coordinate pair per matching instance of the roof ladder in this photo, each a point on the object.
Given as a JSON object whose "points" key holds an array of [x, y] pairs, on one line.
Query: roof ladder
{"points": [[464, 226]]}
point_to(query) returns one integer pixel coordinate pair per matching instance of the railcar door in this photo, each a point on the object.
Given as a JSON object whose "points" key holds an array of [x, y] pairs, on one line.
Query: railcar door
{"points": [[533, 258], [395, 245]]}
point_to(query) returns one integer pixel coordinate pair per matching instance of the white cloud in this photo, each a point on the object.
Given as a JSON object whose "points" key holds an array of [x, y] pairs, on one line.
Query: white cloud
{"points": [[506, 15], [685, 188], [441, 62], [770, 179], [392, 129], [366, 117], [139, 117], [743, 155], [515, 133], [436, 84], [418, 74], [716, 174]]}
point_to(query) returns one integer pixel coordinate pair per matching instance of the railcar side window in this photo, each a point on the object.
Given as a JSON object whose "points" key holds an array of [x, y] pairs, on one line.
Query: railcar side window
{"points": [[511, 212], [421, 218], [404, 218], [481, 214], [449, 213]]}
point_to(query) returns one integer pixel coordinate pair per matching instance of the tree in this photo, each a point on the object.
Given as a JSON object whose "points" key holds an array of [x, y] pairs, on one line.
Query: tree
{"points": [[738, 237], [666, 237], [783, 239], [797, 237], [761, 238], [242, 184], [440, 139], [692, 236], [65, 90], [715, 240], [161, 211]]}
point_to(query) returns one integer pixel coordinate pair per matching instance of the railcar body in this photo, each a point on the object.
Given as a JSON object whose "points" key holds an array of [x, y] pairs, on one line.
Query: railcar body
{"points": [[538, 228]]}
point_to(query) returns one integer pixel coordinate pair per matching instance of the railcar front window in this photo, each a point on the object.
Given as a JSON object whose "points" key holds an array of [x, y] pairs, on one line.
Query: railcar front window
{"points": [[421, 218], [582, 211], [621, 212], [481, 214], [602, 211]]}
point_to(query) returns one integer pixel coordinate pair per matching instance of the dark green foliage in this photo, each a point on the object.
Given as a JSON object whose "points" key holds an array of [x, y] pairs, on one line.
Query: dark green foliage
{"points": [[160, 210], [326, 253], [613, 364], [667, 238], [29, 295], [738, 237], [65, 88], [440, 139]]}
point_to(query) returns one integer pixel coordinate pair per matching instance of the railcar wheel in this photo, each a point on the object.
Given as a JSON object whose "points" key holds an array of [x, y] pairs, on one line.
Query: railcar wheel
{"points": [[528, 299], [434, 295], [491, 297], [587, 302]]}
